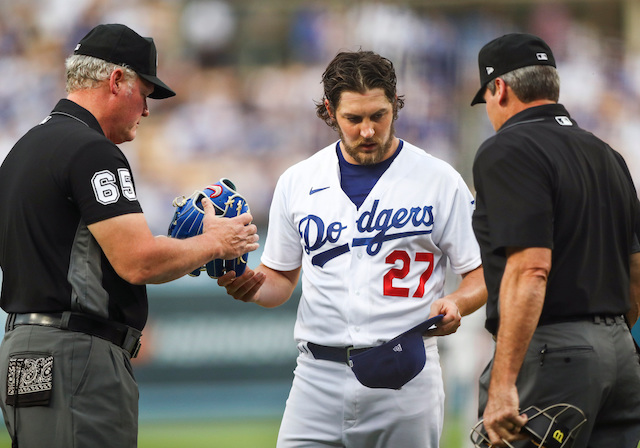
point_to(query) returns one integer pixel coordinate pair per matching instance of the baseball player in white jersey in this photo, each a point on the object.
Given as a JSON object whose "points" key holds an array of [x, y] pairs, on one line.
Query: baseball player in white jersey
{"points": [[370, 221]]}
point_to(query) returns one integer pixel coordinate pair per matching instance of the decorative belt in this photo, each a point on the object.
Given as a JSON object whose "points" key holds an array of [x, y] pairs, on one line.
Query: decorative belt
{"points": [[119, 334], [336, 354]]}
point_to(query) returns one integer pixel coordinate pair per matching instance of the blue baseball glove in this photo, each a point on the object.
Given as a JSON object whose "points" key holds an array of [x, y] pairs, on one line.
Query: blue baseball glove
{"points": [[187, 221]]}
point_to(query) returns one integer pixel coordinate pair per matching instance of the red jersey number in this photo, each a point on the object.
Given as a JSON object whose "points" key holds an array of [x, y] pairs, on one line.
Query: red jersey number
{"points": [[403, 271]]}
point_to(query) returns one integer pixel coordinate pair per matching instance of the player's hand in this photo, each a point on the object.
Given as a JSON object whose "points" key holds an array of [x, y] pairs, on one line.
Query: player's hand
{"points": [[451, 320], [245, 287], [502, 419], [231, 237]]}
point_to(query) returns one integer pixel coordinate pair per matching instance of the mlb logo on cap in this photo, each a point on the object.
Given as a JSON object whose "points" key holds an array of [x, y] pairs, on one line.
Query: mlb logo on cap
{"points": [[396, 362]]}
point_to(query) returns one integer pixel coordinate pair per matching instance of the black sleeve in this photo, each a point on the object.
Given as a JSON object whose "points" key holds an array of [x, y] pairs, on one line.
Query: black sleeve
{"points": [[635, 246], [518, 193], [98, 180]]}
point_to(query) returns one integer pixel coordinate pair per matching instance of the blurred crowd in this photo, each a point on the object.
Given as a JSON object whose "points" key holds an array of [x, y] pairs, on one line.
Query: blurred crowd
{"points": [[247, 74]]}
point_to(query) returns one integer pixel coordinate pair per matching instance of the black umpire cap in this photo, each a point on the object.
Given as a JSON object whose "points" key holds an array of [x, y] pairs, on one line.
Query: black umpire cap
{"points": [[121, 45], [508, 53]]}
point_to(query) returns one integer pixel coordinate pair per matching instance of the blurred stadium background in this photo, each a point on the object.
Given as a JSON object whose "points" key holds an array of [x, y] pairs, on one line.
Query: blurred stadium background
{"points": [[214, 372]]}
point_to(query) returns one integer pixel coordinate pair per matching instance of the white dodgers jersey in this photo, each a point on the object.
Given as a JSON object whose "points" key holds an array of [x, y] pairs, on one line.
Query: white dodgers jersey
{"points": [[371, 273]]}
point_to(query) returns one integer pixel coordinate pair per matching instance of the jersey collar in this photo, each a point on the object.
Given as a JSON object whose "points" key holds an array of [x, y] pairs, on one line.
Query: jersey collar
{"points": [[536, 113], [68, 107]]}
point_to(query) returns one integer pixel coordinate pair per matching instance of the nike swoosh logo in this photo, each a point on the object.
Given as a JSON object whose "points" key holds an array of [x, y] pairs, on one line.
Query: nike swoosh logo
{"points": [[314, 191]]}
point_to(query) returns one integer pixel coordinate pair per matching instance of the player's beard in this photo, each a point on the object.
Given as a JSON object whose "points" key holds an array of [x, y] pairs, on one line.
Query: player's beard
{"points": [[369, 158]]}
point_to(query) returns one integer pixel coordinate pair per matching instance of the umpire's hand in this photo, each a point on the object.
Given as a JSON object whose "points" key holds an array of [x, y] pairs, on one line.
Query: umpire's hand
{"points": [[231, 237]]}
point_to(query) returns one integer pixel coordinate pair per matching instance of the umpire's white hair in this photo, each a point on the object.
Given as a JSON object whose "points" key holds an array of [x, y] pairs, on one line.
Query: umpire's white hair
{"points": [[87, 72], [531, 83]]}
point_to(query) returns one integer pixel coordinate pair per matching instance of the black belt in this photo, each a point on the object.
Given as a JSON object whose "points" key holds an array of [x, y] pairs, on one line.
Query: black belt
{"points": [[121, 335], [337, 354], [607, 319]]}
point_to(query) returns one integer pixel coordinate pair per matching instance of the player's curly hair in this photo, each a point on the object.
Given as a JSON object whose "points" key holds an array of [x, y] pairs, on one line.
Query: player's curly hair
{"points": [[357, 71]]}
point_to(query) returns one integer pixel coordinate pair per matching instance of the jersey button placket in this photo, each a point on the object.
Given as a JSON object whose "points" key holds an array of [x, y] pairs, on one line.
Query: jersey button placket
{"points": [[357, 290]]}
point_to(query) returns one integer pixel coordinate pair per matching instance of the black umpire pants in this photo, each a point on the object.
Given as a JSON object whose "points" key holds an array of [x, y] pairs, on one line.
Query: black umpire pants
{"points": [[94, 396], [593, 366]]}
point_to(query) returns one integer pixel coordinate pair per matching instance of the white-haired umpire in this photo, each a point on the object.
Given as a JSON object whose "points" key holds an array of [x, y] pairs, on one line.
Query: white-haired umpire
{"points": [[76, 252]]}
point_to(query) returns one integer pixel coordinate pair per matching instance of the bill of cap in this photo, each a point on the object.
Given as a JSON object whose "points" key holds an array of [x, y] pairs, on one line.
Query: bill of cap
{"points": [[479, 98], [160, 89]]}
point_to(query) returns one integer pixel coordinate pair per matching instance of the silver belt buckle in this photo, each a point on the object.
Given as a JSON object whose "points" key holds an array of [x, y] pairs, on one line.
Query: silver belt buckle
{"points": [[136, 349], [351, 347]]}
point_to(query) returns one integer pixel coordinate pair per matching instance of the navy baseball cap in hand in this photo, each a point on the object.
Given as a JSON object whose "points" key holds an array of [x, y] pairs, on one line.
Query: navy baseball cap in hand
{"points": [[396, 362], [121, 45], [508, 53]]}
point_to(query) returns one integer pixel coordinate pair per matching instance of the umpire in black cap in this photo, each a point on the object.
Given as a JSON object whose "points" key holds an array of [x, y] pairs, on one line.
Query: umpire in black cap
{"points": [[76, 253], [556, 218]]}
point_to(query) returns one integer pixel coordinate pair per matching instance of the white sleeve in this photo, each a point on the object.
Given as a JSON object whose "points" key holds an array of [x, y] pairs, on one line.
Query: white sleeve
{"points": [[282, 249], [458, 240]]}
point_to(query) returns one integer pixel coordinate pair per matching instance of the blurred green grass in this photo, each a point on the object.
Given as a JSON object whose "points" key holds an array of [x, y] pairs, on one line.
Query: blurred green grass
{"points": [[237, 434], [209, 434], [200, 434]]}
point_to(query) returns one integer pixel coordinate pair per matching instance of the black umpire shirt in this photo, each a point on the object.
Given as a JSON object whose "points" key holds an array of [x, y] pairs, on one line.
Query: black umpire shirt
{"points": [[63, 175], [542, 181]]}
